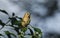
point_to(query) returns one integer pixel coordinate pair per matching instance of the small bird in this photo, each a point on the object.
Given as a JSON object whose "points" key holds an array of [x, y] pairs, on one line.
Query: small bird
{"points": [[26, 19]]}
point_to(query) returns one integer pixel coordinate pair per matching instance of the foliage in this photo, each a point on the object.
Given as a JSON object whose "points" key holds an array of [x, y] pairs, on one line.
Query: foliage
{"points": [[22, 26]]}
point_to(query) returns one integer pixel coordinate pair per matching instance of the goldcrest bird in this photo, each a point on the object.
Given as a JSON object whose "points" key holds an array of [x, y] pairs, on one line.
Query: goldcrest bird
{"points": [[26, 19]]}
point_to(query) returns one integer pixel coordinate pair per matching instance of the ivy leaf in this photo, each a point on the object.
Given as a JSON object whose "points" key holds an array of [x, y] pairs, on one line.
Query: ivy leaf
{"points": [[4, 11]]}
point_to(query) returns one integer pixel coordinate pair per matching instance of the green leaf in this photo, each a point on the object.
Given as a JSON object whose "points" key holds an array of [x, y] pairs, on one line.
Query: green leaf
{"points": [[37, 30], [13, 34], [24, 29], [8, 33], [17, 22], [13, 20], [4, 11]]}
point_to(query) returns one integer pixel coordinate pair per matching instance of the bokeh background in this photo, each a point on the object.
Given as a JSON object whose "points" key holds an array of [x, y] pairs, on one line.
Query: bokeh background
{"points": [[45, 14]]}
